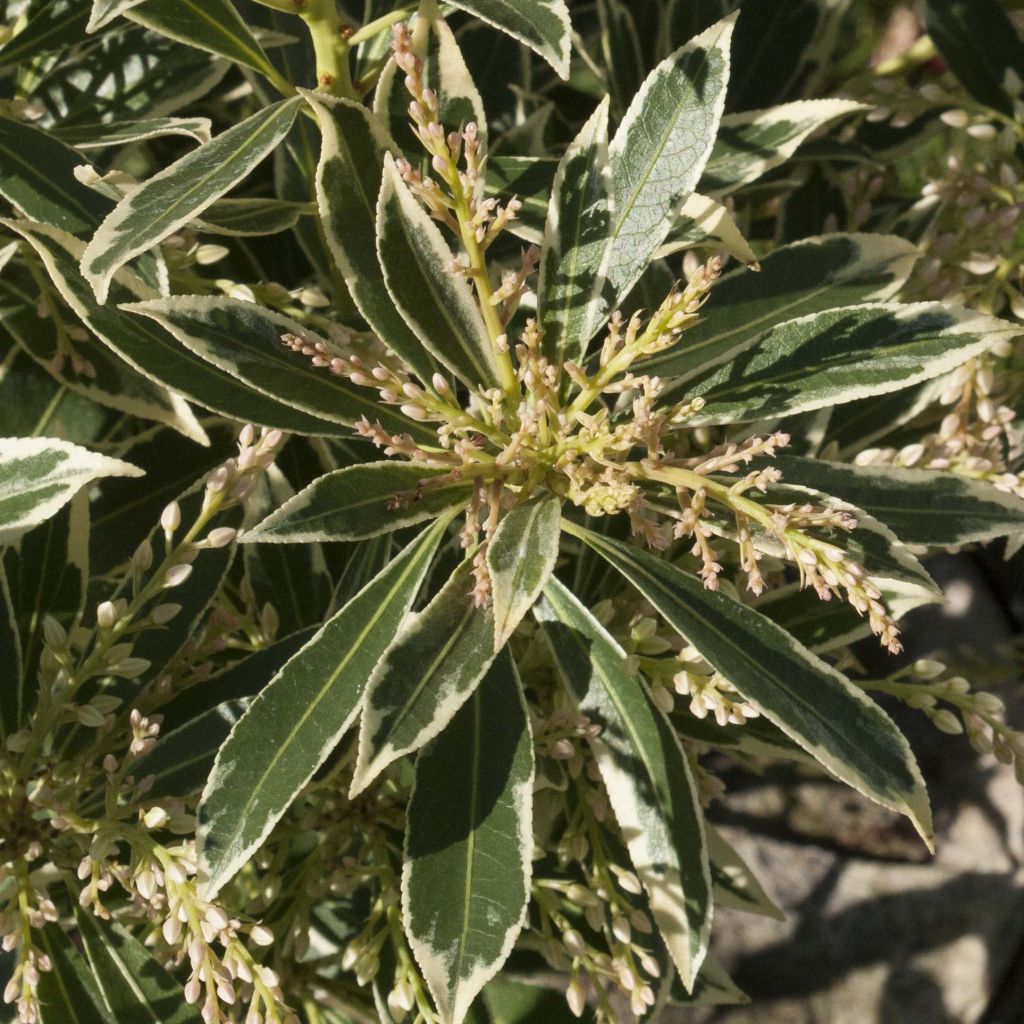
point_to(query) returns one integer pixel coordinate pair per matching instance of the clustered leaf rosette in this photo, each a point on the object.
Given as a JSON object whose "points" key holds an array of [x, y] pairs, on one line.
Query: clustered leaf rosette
{"points": [[594, 526]]}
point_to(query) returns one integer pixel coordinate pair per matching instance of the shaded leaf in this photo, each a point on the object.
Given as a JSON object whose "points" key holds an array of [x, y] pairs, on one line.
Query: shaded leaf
{"points": [[648, 777], [469, 843], [300, 717], [543, 25]]}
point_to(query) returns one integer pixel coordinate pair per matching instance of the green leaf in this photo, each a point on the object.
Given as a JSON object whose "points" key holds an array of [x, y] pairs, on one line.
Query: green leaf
{"points": [[182, 191], [469, 843], [125, 133], [348, 183], [244, 340], [714, 987], [575, 255], [660, 149], [150, 349], [212, 25], [13, 687], [543, 25], [68, 993], [620, 46], [808, 276], [841, 355], [734, 883], [444, 70], [47, 574], [438, 305], [980, 43], [435, 663], [105, 11], [132, 984], [921, 506], [249, 218], [810, 701], [648, 777], [39, 476], [517, 1002], [109, 381], [705, 222], [530, 180], [299, 718], [37, 177], [520, 558], [57, 24], [360, 502], [754, 142]]}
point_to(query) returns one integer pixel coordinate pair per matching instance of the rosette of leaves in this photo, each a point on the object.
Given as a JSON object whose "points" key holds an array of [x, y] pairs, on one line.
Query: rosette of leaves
{"points": [[593, 486]]}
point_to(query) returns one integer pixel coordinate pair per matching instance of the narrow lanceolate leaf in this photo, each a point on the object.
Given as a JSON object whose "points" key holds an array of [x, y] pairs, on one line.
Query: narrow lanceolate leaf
{"points": [[52, 26], [469, 841], [242, 218], [435, 663], [245, 340], [12, 688], [212, 25], [299, 718], [124, 133], [921, 506], [647, 774], [810, 701], [576, 251], [543, 25], [110, 381], [150, 349], [40, 475], [981, 44], [841, 355], [360, 502], [806, 277], [174, 196], [132, 984], [520, 559], [104, 11], [37, 177], [736, 887], [661, 147], [705, 221], [437, 304], [348, 184], [68, 993], [752, 143]]}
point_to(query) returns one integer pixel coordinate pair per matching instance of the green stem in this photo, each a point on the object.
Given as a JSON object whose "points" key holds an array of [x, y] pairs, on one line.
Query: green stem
{"points": [[330, 37]]}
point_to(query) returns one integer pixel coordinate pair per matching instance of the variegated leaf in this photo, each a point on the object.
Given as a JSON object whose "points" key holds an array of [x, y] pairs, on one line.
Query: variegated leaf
{"points": [[921, 506], [735, 885], [40, 475], [360, 502], [151, 350], [808, 276], [706, 222], [244, 339], [754, 142], [104, 11], [469, 843], [520, 558], [182, 191], [211, 25], [841, 355], [133, 985], [348, 183], [543, 25], [575, 255], [435, 663], [125, 133], [660, 149], [300, 716], [438, 305], [805, 697], [108, 380], [646, 772]]}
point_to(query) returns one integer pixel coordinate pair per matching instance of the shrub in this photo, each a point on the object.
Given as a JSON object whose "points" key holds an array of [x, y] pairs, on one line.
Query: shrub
{"points": [[417, 691]]}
